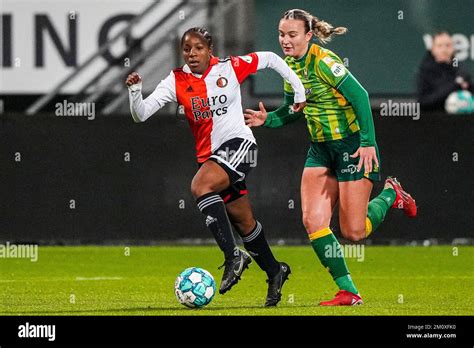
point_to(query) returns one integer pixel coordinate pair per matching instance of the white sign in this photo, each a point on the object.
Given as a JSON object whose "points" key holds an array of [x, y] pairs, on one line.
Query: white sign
{"points": [[44, 41]]}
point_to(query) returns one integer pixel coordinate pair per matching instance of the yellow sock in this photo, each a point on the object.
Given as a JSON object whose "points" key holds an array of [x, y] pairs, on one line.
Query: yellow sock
{"points": [[368, 227], [320, 233]]}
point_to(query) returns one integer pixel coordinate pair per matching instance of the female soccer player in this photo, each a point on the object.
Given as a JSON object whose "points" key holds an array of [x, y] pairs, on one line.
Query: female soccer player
{"points": [[341, 127], [209, 90]]}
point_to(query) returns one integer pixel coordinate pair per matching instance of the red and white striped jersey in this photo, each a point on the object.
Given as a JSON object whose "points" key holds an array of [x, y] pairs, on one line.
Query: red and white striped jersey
{"points": [[212, 101]]}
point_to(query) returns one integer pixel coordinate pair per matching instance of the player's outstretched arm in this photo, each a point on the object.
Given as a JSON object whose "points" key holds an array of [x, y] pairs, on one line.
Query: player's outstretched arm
{"points": [[273, 61], [293, 105], [141, 109], [286, 113], [256, 118]]}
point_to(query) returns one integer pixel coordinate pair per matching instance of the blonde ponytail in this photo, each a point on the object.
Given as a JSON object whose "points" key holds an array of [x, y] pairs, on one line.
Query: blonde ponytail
{"points": [[321, 29], [324, 31]]}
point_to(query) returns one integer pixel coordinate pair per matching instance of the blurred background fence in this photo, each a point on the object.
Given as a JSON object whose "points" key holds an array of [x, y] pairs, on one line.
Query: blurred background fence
{"points": [[105, 179]]}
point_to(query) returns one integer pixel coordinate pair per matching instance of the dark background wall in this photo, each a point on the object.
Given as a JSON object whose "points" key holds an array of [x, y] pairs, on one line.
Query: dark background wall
{"points": [[64, 158], [385, 42], [48, 164]]}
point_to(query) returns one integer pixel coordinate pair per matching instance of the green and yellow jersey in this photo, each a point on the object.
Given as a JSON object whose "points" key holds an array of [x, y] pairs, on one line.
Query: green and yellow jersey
{"points": [[337, 105]]}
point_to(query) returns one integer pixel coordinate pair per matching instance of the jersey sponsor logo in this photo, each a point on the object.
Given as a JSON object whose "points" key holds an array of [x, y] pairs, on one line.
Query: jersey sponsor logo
{"points": [[351, 169], [201, 107], [247, 59], [338, 70], [221, 82]]}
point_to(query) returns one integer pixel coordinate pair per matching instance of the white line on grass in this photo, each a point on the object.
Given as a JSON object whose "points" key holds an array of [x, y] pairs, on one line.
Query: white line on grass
{"points": [[98, 278]]}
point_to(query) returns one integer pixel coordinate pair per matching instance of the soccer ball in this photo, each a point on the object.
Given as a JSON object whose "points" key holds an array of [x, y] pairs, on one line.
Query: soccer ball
{"points": [[459, 102], [195, 287]]}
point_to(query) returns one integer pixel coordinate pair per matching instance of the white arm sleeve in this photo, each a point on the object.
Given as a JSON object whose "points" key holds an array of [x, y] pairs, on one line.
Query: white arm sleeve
{"points": [[164, 93], [273, 61]]}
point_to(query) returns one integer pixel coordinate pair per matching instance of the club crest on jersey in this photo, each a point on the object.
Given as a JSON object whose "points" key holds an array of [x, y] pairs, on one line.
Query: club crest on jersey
{"points": [[221, 82]]}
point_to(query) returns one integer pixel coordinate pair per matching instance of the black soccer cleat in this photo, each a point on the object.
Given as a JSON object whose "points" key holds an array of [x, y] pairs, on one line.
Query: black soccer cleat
{"points": [[275, 284], [233, 270]]}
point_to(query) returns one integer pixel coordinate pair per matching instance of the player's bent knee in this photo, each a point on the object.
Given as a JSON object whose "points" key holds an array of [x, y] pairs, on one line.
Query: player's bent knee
{"points": [[201, 187], [198, 189], [195, 189], [353, 234]]}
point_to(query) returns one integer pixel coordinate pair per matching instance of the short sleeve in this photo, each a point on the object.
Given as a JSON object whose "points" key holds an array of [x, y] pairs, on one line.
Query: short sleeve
{"points": [[244, 66]]}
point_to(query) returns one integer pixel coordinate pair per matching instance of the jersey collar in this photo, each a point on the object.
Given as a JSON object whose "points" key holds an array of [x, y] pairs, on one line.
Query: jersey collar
{"points": [[213, 61], [302, 59]]}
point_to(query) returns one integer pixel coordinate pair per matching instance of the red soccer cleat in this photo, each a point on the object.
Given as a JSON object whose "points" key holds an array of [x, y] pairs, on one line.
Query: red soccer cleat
{"points": [[344, 298], [403, 200]]}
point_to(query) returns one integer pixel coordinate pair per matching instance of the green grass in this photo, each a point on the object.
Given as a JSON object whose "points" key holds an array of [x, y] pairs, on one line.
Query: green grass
{"points": [[431, 280]]}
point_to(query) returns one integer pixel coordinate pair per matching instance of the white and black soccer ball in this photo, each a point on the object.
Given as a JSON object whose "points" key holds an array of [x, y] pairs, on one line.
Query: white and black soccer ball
{"points": [[195, 287], [459, 102]]}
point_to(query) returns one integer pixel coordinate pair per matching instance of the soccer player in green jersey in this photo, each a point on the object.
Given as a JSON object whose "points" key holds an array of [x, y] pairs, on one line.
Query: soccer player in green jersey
{"points": [[343, 159]]}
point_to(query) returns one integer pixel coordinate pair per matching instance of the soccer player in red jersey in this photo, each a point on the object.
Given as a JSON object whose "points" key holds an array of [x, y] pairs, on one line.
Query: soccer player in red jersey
{"points": [[209, 90]]}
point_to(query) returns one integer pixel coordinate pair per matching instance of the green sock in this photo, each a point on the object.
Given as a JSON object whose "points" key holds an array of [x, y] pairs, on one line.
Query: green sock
{"points": [[379, 206], [346, 283], [329, 252]]}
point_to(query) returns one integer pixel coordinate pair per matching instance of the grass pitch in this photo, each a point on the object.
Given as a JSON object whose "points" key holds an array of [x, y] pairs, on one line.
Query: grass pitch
{"points": [[94, 280]]}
